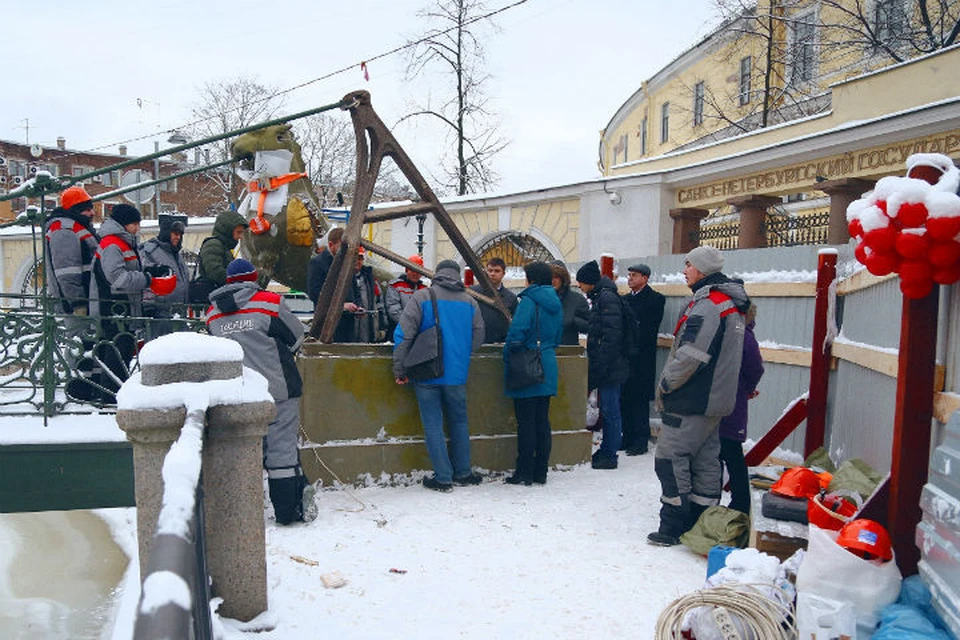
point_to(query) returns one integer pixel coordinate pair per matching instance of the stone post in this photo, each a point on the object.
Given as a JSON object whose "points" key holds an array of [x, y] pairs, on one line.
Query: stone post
{"points": [[232, 463], [842, 192], [686, 228], [753, 211]]}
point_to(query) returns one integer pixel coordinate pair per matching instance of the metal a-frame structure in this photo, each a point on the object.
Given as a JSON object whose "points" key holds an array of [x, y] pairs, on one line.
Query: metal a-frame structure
{"points": [[374, 142]]}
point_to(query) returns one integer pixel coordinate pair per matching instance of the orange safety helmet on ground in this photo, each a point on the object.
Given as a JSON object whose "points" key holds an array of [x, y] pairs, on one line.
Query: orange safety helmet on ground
{"points": [[797, 482], [867, 539], [829, 511], [163, 285], [74, 196]]}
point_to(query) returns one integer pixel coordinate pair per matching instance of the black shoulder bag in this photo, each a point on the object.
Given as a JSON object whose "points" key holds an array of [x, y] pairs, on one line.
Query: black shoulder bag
{"points": [[525, 366], [424, 360]]}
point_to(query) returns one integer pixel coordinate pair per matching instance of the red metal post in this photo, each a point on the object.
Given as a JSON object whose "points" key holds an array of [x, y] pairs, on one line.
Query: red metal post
{"points": [[772, 439], [912, 424], [468, 276], [606, 265], [820, 354]]}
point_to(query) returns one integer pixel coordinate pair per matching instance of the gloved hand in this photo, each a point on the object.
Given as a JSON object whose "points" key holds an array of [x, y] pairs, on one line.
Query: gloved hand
{"points": [[157, 270]]}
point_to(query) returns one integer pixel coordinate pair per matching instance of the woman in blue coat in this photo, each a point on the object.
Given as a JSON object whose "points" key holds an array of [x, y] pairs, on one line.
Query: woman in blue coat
{"points": [[539, 315]]}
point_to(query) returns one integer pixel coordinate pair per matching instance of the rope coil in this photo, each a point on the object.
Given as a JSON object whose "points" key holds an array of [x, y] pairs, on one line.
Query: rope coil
{"points": [[742, 612]]}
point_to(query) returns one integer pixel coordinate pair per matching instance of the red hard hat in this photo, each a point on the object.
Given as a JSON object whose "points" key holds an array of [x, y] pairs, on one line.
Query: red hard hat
{"points": [[73, 196], [797, 482], [163, 285], [829, 511], [866, 538], [416, 259]]}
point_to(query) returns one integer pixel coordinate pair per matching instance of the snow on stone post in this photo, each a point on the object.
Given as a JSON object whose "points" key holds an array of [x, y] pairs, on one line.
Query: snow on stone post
{"points": [[180, 372]]}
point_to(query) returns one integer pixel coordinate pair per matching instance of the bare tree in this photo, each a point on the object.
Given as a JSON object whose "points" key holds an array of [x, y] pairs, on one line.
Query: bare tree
{"points": [[451, 44], [784, 47], [224, 106], [328, 149]]}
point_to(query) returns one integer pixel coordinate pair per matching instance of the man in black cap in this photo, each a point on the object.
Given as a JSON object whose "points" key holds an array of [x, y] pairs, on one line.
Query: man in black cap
{"points": [[646, 306], [607, 366], [164, 250]]}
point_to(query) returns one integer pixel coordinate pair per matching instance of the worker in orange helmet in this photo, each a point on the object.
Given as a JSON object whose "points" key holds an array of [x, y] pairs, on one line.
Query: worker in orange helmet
{"points": [[71, 244], [399, 292]]}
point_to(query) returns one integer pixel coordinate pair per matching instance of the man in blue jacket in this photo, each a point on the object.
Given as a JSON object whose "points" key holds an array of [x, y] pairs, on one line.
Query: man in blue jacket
{"points": [[461, 326]]}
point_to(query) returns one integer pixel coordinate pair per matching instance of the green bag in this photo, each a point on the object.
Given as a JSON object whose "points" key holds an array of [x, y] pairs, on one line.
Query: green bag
{"points": [[718, 525]]}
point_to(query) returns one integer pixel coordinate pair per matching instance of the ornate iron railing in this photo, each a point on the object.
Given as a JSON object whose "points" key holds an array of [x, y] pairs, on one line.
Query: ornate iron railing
{"points": [[780, 230], [55, 363]]}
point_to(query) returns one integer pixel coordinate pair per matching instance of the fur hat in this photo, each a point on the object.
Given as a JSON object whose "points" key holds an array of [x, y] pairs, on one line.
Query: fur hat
{"points": [[177, 227], [448, 264], [241, 270], [589, 273], [125, 214], [706, 259]]}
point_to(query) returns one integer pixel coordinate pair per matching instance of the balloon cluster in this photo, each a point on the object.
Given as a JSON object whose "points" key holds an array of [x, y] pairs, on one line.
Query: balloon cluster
{"points": [[911, 225]]}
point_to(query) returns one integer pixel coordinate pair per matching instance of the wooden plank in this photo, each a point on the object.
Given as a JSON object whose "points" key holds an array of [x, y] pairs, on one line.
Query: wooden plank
{"points": [[754, 289], [944, 405], [872, 358], [777, 434], [860, 280]]}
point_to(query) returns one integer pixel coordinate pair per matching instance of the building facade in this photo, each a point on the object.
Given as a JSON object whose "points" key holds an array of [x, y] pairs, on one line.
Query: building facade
{"points": [[195, 195]]}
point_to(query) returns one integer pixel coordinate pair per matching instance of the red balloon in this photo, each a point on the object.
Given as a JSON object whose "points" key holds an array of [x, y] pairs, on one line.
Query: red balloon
{"points": [[860, 253], [915, 270], [882, 239], [947, 275], [916, 289], [944, 253], [912, 245], [855, 229], [912, 214], [943, 228], [880, 263]]}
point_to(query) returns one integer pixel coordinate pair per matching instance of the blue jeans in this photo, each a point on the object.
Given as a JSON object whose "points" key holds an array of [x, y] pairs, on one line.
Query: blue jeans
{"points": [[435, 400], [609, 399]]}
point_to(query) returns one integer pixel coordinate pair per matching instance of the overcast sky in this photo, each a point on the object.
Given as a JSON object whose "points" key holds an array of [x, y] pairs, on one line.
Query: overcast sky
{"points": [[560, 68]]}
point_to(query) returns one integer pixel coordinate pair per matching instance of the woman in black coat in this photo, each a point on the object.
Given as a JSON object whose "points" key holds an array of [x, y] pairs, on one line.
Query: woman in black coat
{"points": [[576, 312]]}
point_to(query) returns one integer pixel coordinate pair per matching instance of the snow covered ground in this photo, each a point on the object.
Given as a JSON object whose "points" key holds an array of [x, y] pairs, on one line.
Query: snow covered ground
{"points": [[564, 560]]}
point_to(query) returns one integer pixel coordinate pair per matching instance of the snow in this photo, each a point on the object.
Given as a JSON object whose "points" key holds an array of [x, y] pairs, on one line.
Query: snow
{"points": [[190, 347], [565, 560]]}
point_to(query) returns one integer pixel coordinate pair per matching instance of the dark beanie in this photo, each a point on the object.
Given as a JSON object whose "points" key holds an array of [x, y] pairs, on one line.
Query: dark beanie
{"points": [[241, 270], [177, 227], [589, 273], [125, 214], [448, 264]]}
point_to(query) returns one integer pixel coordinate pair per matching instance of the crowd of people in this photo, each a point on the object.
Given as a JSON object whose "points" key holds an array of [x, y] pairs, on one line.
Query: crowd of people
{"points": [[701, 394]]}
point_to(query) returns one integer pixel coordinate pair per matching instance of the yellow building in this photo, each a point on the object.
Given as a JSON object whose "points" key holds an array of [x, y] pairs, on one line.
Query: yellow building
{"points": [[773, 74]]}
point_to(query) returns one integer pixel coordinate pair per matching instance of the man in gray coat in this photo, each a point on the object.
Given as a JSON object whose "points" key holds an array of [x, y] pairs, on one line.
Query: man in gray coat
{"points": [[698, 387], [270, 336], [164, 250]]}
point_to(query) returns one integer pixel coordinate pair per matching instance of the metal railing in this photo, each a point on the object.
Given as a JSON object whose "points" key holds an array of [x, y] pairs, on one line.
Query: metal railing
{"points": [[55, 363], [780, 231]]}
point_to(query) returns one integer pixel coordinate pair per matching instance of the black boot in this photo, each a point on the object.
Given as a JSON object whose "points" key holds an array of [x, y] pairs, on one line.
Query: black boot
{"points": [[673, 524], [286, 494]]}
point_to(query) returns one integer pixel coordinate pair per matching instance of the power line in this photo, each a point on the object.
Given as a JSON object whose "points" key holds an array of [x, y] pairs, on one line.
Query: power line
{"points": [[326, 76]]}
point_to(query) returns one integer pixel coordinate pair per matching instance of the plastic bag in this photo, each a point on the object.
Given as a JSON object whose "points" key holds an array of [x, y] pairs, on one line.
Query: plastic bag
{"points": [[819, 617], [593, 409], [830, 571]]}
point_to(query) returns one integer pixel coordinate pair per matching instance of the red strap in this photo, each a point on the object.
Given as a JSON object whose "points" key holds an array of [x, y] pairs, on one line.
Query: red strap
{"points": [[116, 241], [717, 298]]}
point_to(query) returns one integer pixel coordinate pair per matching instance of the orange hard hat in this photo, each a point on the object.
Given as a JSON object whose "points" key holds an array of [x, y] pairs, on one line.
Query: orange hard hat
{"points": [[829, 511], [416, 259], [163, 285], [797, 482], [867, 539], [74, 196]]}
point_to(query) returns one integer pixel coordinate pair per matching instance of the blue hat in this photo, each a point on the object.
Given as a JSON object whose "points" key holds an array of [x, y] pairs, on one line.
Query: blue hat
{"points": [[241, 270]]}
